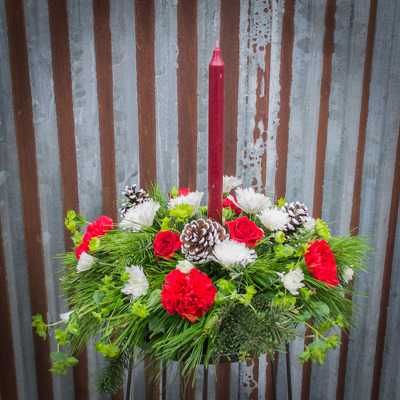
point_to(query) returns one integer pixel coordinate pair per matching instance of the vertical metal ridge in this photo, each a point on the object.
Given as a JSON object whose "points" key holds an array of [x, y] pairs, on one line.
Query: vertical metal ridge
{"points": [[145, 39], [223, 381], [355, 210], [328, 49], [229, 43], [25, 134], [285, 81], [187, 92], [187, 390], [8, 376], [102, 42], [61, 63], [387, 274]]}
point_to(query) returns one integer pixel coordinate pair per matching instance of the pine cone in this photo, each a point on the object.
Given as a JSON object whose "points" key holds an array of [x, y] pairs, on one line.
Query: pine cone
{"points": [[134, 198], [298, 214], [199, 238]]}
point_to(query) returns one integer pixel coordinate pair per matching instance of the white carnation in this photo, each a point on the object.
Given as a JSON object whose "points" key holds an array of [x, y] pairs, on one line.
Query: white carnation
{"points": [[274, 218], [184, 266], [138, 285], [230, 182], [192, 199], [309, 225], [292, 281], [141, 215], [230, 252], [85, 262], [250, 201], [64, 317], [348, 274]]}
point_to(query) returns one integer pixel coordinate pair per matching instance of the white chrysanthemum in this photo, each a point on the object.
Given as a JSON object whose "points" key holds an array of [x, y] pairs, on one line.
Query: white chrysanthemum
{"points": [[64, 317], [230, 182], [274, 218], [292, 280], [184, 266], [250, 201], [348, 274], [138, 285], [85, 262], [192, 199], [309, 225], [141, 215], [230, 252]]}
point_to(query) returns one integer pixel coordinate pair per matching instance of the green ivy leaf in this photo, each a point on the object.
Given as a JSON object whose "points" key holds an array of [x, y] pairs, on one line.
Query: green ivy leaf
{"points": [[316, 344], [154, 298], [59, 356], [304, 356], [279, 237], [182, 211], [303, 317], [226, 287], [74, 329], [71, 361], [333, 341]]}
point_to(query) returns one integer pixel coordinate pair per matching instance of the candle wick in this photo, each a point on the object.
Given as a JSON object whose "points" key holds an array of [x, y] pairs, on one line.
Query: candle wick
{"points": [[217, 45]]}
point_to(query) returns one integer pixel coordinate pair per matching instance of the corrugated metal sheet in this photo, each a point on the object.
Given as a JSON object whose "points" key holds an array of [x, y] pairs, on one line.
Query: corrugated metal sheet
{"points": [[98, 95]]}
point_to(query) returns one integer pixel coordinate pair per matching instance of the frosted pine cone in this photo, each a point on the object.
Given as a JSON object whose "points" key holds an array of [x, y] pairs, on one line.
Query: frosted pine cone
{"points": [[199, 238], [298, 215], [133, 198]]}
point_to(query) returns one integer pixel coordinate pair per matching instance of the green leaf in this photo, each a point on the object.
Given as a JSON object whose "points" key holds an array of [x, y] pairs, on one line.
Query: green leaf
{"points": [[71, 214], [61, 336], [321, 309], [322, 229], [98, 298], [154, 298], [304, 356], [333, 341], [94, 244], [279, 237], [74, 329], [316, 344], [250, 292], [71, 361], [155, 325], [303, 317], [59, 356], [79, 221], [226, 287]]}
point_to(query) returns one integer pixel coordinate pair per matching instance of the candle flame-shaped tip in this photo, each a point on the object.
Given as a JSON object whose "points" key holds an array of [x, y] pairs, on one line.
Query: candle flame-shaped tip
{"points": [[217, 44]]}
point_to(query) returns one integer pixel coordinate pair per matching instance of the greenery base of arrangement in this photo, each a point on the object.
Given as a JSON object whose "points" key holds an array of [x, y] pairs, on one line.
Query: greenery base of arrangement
{"points": [[178, 286]]}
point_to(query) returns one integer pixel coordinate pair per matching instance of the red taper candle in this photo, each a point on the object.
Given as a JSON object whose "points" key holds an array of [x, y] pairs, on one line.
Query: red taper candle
{"points": [[215, 134]]}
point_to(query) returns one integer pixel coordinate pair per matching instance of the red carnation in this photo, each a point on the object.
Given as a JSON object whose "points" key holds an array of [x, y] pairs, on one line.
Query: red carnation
{"points": [[181, 192], [188, 295], [98, 228], [82, 248], [166, 244], [245, 231], [229, 203], [321, 262]]}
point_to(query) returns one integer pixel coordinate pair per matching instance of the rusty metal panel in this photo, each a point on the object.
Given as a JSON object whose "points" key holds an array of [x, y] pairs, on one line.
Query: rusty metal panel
{"points": [[305, 76]]}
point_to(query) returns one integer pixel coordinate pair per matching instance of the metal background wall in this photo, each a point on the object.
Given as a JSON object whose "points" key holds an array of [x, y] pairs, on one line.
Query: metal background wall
{"points": [[98, 95]]}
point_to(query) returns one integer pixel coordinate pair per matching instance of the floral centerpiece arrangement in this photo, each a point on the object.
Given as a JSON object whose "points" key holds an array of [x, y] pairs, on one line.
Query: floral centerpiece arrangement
{"points": [[180, 286]]}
